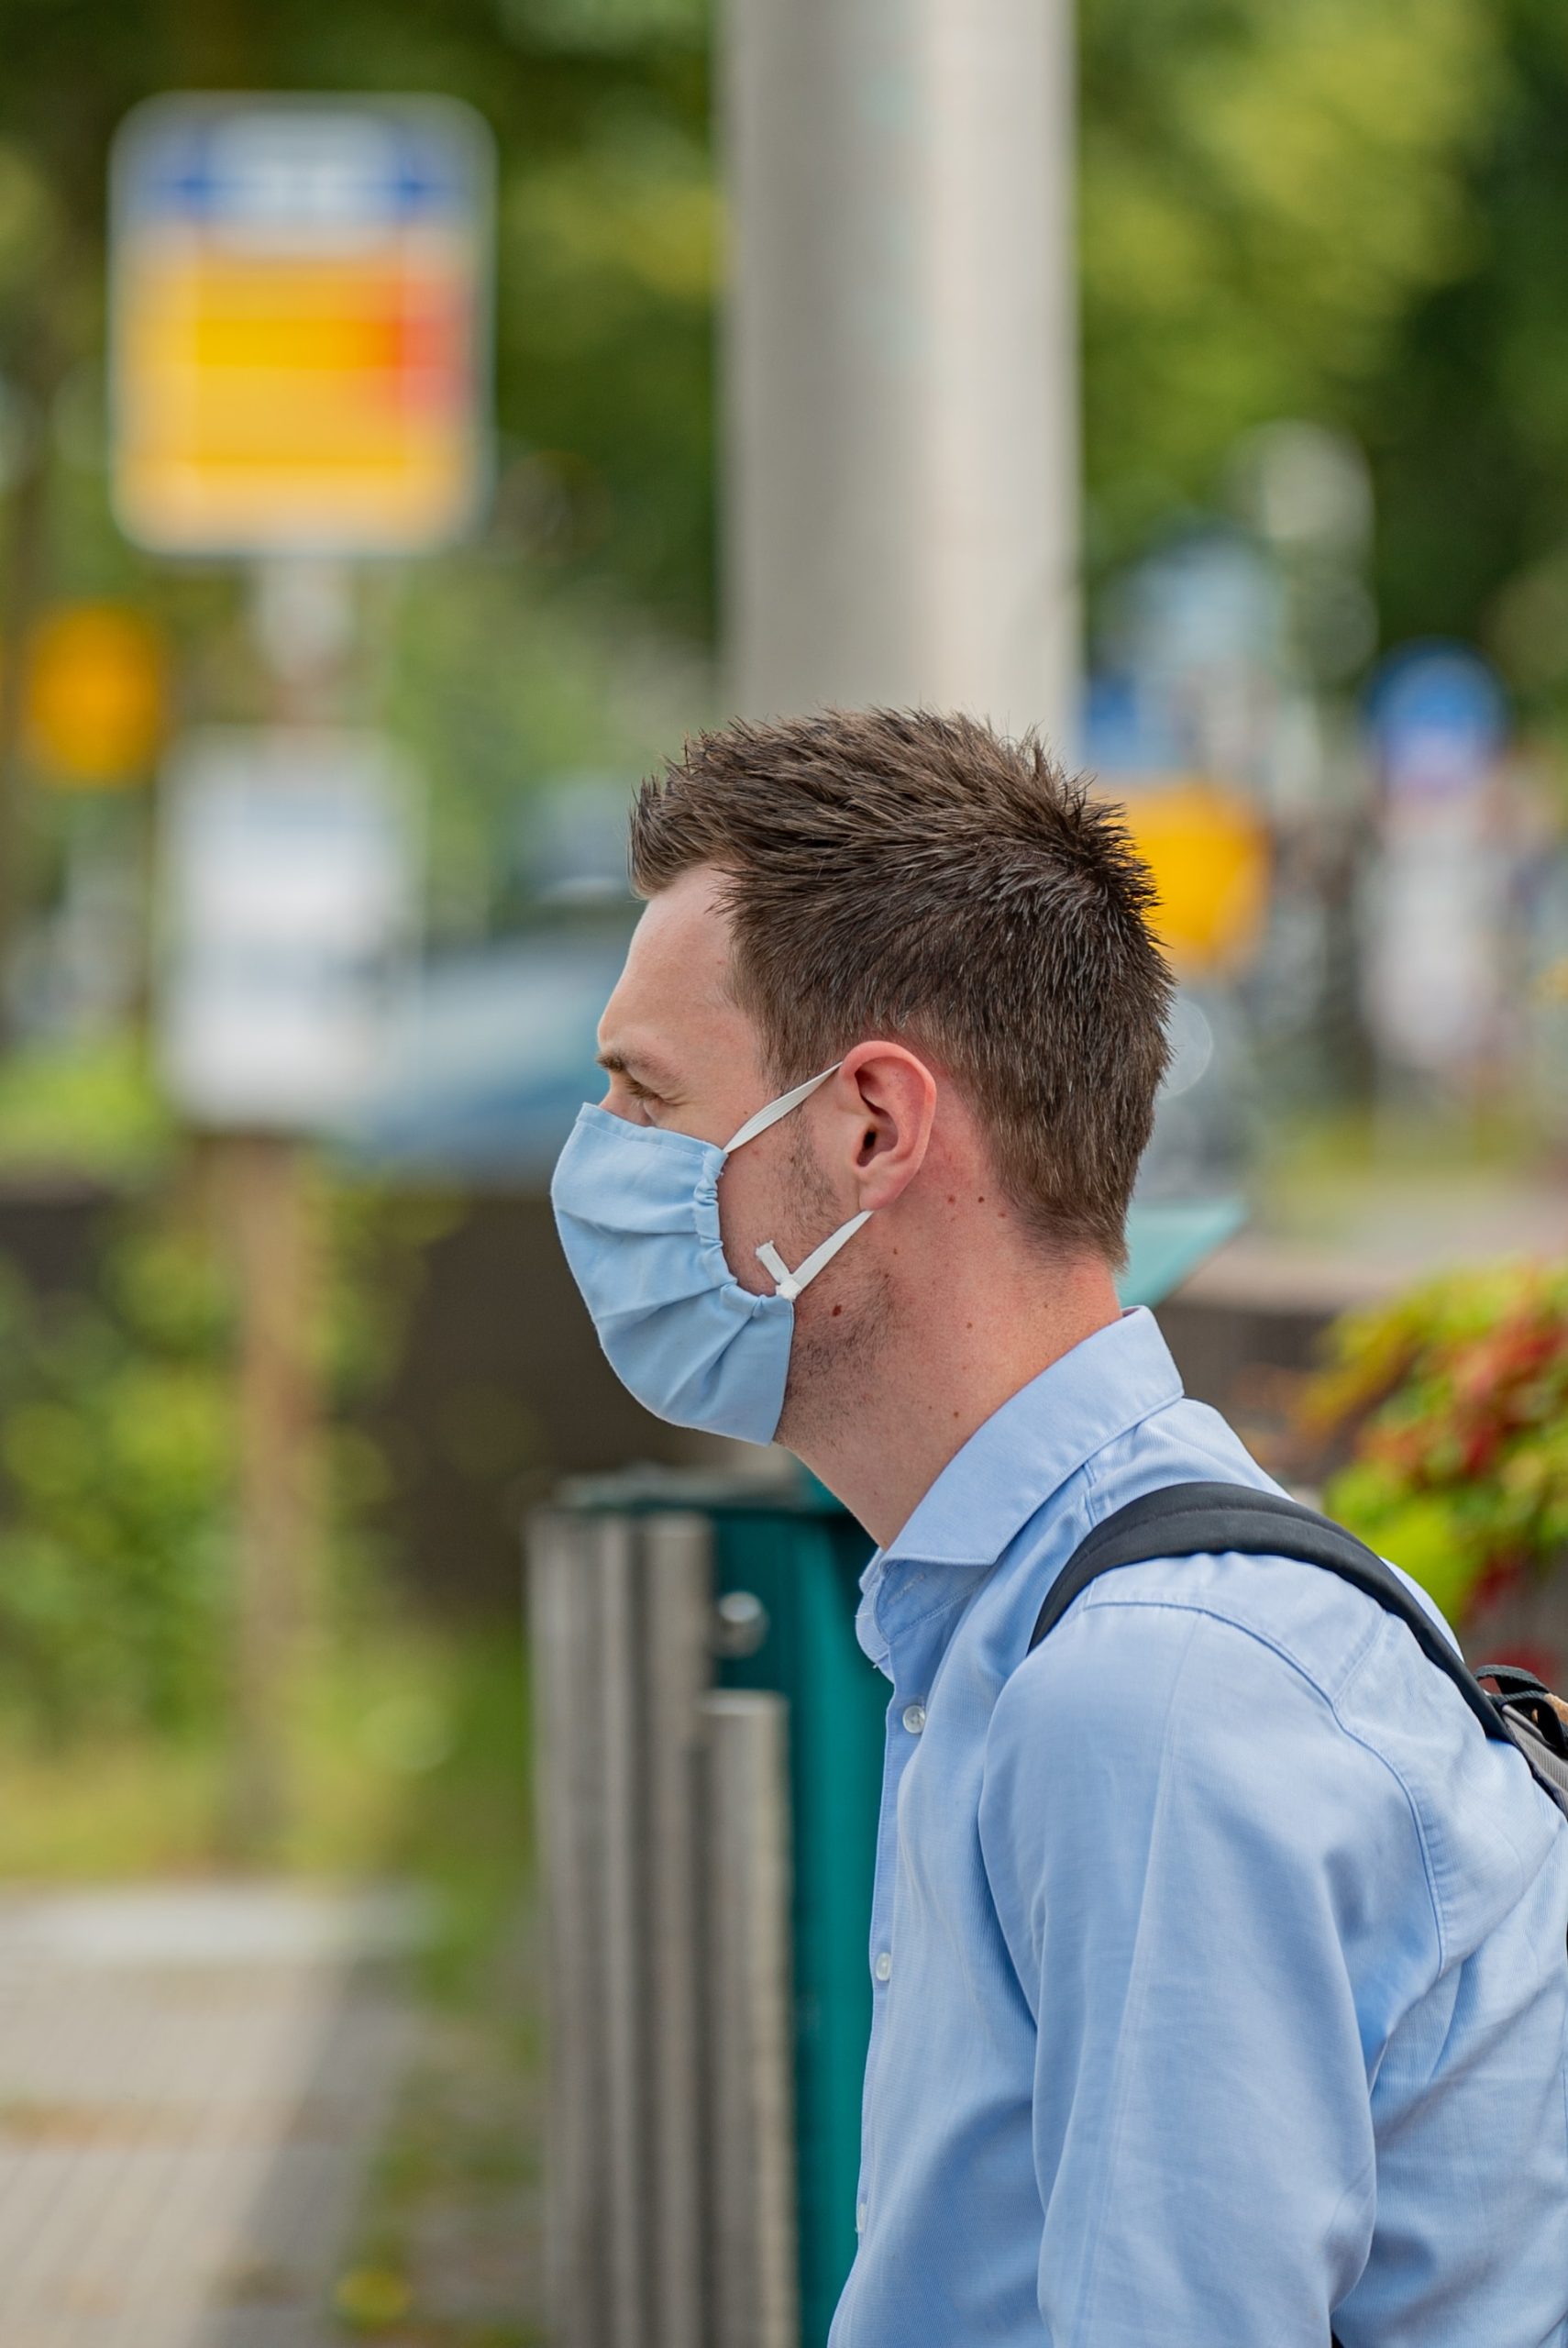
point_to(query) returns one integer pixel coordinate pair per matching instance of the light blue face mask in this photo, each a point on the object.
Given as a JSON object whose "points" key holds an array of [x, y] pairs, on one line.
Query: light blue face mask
{"points": [[637, 1211]]}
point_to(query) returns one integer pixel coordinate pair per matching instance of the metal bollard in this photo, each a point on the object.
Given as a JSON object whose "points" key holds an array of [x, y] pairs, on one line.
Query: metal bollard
{"points": [[754, 2289], [664, 1817]]}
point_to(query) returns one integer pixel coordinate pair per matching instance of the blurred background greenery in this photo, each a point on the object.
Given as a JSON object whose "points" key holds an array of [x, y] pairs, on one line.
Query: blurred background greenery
{"points": [[1324, 351], [1348, 212]]}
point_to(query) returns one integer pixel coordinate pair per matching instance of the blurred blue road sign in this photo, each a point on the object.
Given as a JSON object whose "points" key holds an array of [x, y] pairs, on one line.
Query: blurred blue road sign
{"points": [[1439, 717]]}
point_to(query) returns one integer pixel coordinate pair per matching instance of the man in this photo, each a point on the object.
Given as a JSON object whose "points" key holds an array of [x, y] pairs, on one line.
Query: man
{"points": [[1220, 1988]]}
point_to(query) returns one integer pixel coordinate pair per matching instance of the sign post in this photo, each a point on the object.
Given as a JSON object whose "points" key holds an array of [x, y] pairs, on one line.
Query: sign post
{"points": [[299, 354], [287, 903]]}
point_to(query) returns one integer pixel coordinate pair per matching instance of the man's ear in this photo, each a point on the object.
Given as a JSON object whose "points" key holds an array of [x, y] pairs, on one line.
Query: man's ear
{"points": [[886, 1097]]}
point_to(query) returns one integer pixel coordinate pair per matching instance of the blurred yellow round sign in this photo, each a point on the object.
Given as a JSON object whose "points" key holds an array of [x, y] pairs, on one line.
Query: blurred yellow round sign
{"points": [[1208, 852], [97, 694]]}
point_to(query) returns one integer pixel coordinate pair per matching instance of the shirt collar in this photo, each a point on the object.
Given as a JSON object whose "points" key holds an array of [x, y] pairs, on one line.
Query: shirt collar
{"points": [[1027, 1449]]}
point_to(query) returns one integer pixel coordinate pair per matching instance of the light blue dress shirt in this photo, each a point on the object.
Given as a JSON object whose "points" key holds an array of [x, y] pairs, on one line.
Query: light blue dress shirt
{"points": [[1219, 1981]]}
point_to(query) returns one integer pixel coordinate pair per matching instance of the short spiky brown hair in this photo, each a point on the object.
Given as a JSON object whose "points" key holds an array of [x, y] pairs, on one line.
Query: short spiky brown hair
{"points": [[901, 874]]}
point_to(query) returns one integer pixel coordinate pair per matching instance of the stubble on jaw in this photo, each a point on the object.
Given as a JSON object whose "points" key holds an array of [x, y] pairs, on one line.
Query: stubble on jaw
{"points": [[841, 1323]]}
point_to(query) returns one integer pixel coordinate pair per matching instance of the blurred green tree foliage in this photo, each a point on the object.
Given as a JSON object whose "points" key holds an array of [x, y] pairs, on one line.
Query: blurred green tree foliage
{"points": [[544, 648], [1267, 193], [1470, 441], [605, 252], [118, 1460], [1270, 198], [1347, 209]]}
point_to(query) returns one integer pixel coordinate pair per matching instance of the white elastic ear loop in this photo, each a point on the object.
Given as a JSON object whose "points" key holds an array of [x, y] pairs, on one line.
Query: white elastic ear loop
{"points": [[779, 1108], [789, 1283]]}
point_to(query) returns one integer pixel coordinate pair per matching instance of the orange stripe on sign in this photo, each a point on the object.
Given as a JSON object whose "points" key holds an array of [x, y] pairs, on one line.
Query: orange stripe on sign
{"points": [[312, 316]]}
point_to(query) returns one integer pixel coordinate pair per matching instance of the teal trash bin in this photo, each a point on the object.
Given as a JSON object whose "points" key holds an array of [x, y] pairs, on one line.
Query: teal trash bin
{"points": [[791, 1548], [801, 1557]]}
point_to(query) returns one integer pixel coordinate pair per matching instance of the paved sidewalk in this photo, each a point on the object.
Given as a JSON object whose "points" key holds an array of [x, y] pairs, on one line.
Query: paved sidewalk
{"points": [[192, 2083]]}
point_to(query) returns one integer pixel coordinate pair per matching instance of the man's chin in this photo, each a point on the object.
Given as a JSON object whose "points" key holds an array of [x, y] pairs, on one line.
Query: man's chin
{"points": [[832, 1363]]}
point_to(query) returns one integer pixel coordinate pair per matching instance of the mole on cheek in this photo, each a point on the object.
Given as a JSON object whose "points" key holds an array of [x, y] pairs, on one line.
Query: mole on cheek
{"points": [[836, 1311]]}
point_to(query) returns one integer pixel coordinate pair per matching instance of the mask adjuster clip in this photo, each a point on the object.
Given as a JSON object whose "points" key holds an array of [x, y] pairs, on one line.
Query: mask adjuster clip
{"points": [[788, 1283]]}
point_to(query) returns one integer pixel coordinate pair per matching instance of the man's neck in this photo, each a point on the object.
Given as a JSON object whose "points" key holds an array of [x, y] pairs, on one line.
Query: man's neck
{"points": [[908, 1407]]}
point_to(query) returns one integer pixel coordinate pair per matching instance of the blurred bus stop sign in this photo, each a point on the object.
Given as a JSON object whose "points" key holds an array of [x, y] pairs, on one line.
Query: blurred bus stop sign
{"points": [[300, 324], [288, 895]]}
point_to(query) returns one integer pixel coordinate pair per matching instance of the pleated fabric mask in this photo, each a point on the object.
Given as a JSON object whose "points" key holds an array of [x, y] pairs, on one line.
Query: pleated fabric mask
{"points": [[637, 1212]]}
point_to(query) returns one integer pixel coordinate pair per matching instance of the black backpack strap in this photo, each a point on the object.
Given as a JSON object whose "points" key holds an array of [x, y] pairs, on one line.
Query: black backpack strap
{"points": [[1202, 1520]]}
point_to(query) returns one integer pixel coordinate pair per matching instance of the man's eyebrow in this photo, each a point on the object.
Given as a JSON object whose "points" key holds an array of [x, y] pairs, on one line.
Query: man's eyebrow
{"points": [[632, 1064]]}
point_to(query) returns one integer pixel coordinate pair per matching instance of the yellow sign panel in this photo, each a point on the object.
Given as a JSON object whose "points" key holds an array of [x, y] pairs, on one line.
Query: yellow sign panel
{"points": [[1208, 852], [300, 304], [97, 694]]}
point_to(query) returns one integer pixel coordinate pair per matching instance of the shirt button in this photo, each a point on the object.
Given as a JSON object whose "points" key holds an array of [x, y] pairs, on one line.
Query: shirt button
{"points": [[914, 1717], [884, 1965], [860, 2217]]}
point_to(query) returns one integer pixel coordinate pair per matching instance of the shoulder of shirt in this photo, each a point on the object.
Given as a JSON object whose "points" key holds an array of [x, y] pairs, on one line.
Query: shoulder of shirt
{"points": [[1314, 1623], [1254, 1618], [1259, 1626]]}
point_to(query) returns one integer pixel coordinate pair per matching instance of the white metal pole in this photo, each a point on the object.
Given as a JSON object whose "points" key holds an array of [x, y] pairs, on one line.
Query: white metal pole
{"points": [[902, 465]]}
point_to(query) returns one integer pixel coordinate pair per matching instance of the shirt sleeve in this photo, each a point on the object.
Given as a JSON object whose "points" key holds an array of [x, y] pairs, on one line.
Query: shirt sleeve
{"points": [[1217, 1904]]}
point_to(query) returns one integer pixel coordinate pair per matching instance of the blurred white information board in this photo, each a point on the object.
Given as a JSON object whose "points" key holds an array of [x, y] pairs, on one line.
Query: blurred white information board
{"points": [[288, 884]]}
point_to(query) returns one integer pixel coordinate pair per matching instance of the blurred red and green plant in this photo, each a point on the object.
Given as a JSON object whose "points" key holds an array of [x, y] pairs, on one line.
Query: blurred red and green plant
{"points": [[1448, 1409]]}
